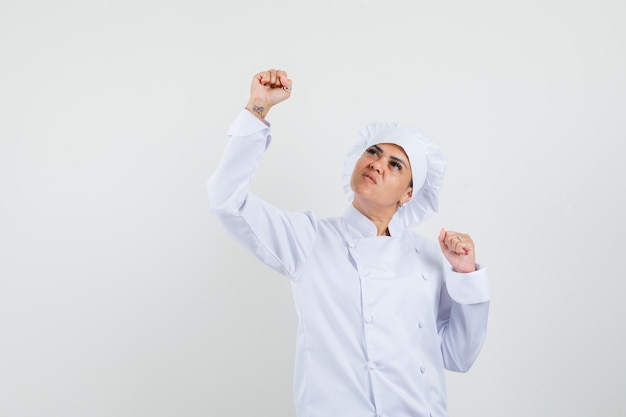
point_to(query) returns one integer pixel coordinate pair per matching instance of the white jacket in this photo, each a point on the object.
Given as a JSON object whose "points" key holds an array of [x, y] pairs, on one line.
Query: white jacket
{"points": [[380, 317]]}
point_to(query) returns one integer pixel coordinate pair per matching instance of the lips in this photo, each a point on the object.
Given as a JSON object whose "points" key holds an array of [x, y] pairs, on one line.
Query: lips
{"points": [[369, 178]]}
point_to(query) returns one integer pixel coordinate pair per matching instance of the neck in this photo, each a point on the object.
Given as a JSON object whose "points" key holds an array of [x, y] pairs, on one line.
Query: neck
{"points": [[379, 216]]}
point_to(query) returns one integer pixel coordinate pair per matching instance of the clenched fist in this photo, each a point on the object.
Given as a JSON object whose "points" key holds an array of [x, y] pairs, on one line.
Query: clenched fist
{"points": [[458, 249], [268, 89]]}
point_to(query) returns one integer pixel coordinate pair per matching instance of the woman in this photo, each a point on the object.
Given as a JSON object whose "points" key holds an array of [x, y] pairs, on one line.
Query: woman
{"points": [[381, 313]]}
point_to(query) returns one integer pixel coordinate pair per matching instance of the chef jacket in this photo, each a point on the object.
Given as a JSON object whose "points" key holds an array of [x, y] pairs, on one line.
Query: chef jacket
{"points": [[379, 317]]}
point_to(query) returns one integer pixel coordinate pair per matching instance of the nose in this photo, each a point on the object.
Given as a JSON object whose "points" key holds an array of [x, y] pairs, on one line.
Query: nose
{"points": [[375, 165]]}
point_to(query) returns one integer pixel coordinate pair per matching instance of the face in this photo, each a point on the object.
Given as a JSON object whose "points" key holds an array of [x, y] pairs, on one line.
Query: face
{"points": [[382, 177]]}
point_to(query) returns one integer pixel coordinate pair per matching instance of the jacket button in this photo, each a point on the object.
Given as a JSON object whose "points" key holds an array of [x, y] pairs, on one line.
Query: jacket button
{"points": [[425, 276]]}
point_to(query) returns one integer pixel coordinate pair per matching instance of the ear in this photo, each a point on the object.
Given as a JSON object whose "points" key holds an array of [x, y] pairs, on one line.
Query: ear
{"points": [[407, 196]]}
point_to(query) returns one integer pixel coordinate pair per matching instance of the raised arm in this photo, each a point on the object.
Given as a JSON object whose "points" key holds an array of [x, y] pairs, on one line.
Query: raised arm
{"points": [[279, 238]]}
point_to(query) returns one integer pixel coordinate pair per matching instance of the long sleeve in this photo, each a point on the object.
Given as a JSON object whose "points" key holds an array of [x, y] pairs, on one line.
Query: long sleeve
{"points": [[462, 319], [279, 238]]}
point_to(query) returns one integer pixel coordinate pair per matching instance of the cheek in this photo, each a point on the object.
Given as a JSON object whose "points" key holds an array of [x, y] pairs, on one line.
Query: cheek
{"points": [[359, 166], [400, 186], [355, 176]]}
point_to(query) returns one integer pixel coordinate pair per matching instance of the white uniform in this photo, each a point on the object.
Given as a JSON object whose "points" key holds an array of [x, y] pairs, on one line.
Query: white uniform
{"points": [[379, 317]]}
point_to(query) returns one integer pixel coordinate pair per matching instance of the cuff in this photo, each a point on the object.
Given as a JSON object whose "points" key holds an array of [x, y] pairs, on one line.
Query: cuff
{"points": [[470, 288], [246, 124]]}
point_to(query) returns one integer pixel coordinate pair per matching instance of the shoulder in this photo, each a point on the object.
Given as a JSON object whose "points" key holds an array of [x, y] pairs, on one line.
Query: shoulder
{"points": [[335, 223]]}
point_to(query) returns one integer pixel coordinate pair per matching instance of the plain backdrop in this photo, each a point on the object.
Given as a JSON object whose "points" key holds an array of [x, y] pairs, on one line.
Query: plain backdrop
{"points": [[120, 294]]}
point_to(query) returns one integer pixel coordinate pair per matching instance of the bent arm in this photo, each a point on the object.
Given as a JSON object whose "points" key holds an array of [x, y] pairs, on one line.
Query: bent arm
{"points": [[279, 238], [462, 320]]}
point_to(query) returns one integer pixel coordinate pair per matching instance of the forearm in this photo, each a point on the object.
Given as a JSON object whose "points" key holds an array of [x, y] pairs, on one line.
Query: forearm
{"points": [[463, 337], [228, 185], [464, 309]]}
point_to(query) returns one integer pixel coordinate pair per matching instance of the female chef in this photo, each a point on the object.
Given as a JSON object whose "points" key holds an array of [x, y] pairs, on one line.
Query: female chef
{"points": [[382, 311]]}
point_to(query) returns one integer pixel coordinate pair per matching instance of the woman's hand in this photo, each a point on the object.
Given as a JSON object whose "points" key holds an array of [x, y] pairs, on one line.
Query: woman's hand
{"points": [[458, 249], [268, 89]]}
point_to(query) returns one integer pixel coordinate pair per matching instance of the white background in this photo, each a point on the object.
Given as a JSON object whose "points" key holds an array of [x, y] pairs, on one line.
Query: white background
{"points": [[121, 296]]}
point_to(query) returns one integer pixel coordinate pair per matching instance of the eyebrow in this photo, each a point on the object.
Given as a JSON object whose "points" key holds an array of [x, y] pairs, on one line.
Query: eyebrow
{"points": [[393, 158], [400, 161]]}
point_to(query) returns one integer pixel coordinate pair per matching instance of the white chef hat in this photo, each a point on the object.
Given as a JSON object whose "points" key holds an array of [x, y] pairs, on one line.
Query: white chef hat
{"points": [[427, 164]]}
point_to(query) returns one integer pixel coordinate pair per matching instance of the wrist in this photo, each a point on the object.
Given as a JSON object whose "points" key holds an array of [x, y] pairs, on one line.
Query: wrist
{"points": [[258, 108], [465, 269]]}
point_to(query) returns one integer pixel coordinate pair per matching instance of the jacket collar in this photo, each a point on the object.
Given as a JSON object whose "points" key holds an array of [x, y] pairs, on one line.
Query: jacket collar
{"points": [[363, 227]]}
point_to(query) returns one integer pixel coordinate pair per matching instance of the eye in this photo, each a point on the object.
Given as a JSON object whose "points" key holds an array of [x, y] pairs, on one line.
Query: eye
{"points": [[372, 151], [395, 165]]}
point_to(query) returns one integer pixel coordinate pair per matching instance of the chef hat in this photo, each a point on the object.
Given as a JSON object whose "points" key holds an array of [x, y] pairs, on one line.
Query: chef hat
{"points": [[427, 164]]}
